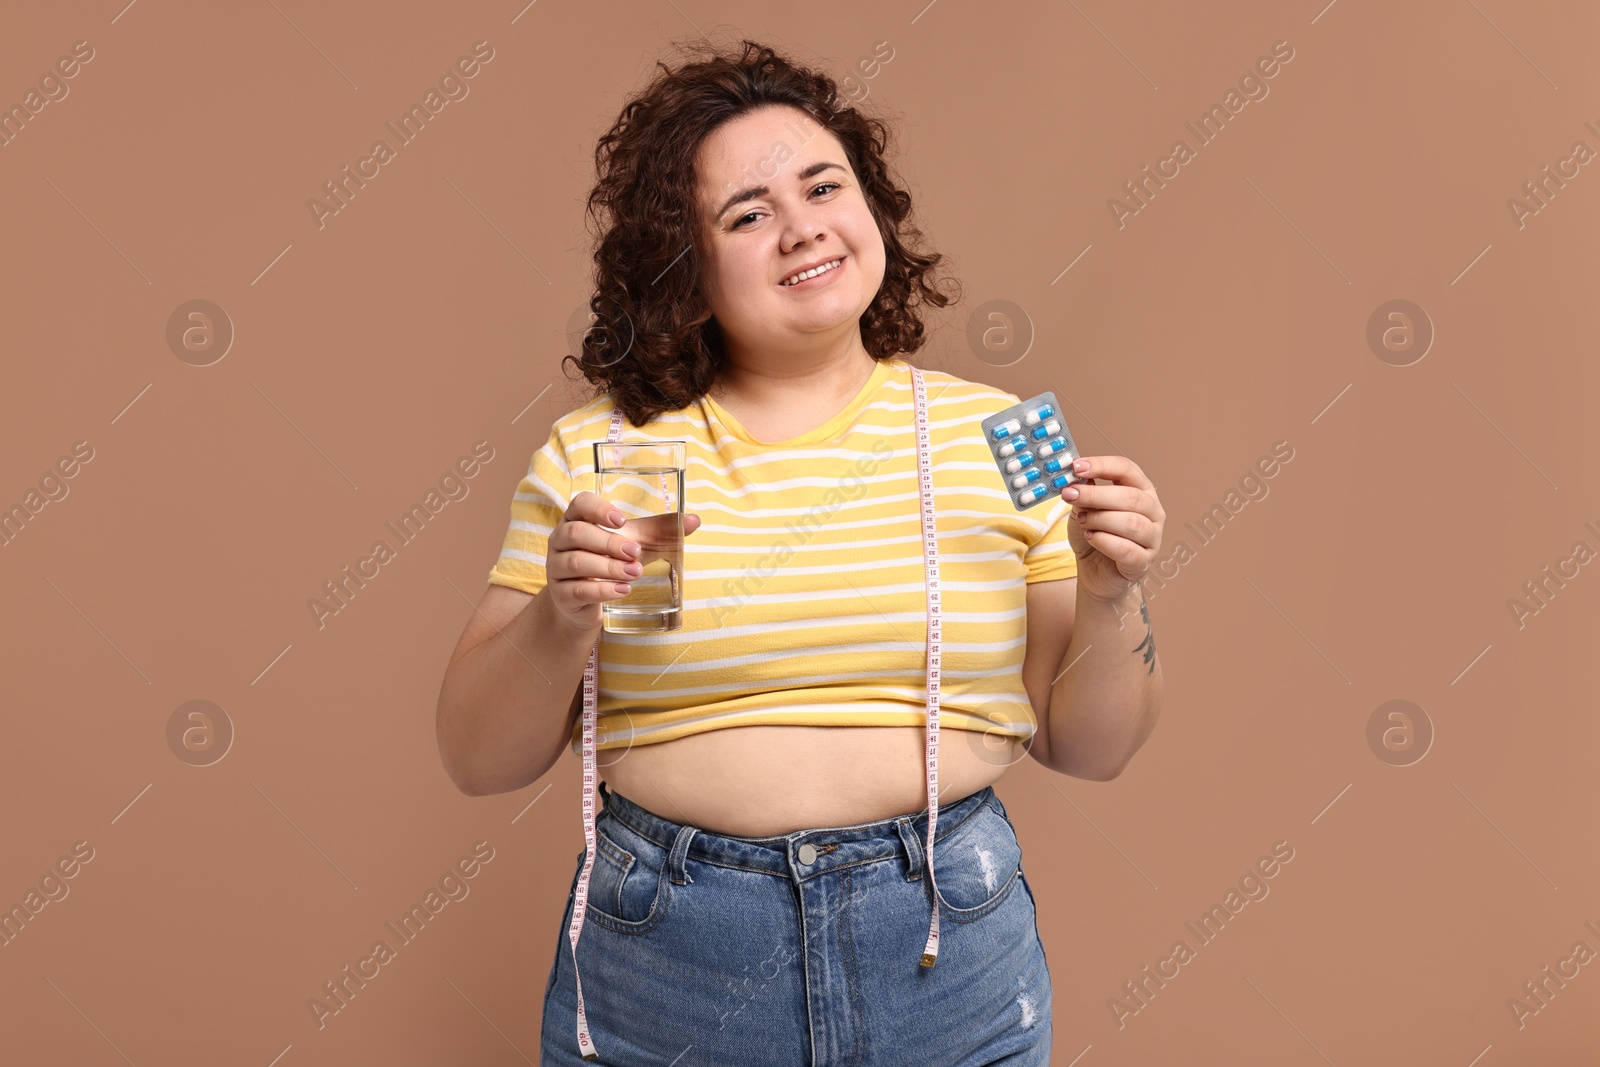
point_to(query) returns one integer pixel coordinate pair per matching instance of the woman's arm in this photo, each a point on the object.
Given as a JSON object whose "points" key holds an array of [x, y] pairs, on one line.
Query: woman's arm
{"points": [[512, 691], [1107, 699]]}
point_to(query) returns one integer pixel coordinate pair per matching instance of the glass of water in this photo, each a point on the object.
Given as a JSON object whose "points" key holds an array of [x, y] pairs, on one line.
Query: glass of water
{"points": [[644, 481]]}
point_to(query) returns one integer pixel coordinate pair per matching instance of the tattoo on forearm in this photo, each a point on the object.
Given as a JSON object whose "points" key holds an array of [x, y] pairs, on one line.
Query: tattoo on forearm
{"points": [[1149, 642]]}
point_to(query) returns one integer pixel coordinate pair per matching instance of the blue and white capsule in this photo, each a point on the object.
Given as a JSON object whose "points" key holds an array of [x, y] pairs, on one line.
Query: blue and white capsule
{"points": [[1031, 496], [1029, 475], [1050, 448], [1010, 447], [1049, 429], [1019, 461], [1006, 429], [1039, 413]]}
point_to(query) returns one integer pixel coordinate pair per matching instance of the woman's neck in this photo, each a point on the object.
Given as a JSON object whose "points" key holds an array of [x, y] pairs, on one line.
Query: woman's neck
{"points": [[772, 387]]}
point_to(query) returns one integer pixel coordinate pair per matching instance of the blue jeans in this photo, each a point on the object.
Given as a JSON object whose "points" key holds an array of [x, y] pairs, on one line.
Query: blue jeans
{"points": [[700, 949]]}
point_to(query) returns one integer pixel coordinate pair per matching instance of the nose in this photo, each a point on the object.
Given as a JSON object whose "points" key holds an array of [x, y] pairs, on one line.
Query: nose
{"points": [[800, 226]]}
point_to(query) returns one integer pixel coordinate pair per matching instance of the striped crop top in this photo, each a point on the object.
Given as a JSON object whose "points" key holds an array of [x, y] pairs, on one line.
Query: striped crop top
{"points": [[804, 595]]}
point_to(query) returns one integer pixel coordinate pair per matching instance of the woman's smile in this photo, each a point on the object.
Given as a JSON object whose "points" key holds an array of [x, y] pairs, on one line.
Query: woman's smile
{"points": [[816, 281]]}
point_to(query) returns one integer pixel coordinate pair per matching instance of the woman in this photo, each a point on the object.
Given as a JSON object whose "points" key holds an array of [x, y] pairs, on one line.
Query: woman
{"points": [[755, 895]]}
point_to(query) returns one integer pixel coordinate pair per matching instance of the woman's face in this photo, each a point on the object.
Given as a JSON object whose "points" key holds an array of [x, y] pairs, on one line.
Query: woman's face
{"points": [[795, 203]]}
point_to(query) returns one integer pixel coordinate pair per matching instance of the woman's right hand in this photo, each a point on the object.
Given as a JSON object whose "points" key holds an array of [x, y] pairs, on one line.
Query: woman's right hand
{"points": [[586, 564]]}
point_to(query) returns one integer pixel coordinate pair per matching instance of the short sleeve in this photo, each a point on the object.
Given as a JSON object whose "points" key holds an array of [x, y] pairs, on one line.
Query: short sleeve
{"points": [[1051, 557], [540, 501]]}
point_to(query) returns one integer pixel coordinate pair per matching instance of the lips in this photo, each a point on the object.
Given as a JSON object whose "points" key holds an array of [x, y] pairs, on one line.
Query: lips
{"points": [[836, 262]]}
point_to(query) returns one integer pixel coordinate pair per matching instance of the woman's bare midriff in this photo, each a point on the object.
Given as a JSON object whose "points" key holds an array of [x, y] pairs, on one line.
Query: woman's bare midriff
{"points": [[763, 781]]}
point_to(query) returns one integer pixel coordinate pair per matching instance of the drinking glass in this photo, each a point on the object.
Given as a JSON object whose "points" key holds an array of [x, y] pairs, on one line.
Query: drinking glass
{"points": [[644, 481]]}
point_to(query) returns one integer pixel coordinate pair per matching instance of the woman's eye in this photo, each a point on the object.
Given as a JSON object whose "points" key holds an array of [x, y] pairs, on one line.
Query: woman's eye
{"points": [[741, 219]]}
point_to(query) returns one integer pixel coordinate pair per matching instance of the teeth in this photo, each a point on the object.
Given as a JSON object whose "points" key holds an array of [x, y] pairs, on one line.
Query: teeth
{"points": [[803, 275]]}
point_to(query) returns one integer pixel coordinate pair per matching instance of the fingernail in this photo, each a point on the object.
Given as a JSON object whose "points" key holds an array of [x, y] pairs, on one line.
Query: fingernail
{"points": [[1080, 465], [632, 569], [617, 518], [630, 548]]}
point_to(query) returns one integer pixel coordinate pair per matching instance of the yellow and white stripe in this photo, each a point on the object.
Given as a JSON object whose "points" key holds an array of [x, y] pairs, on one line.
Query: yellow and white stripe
{"points": [[804, 594]]}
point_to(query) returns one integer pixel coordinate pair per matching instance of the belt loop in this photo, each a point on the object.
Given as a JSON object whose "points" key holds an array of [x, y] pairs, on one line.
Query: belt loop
{"points": [[993, 800], [677, 863], [913, 846]]}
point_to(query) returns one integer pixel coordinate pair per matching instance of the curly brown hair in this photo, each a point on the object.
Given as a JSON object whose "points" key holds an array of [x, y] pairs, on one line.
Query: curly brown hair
{"points": [[654, 345]]}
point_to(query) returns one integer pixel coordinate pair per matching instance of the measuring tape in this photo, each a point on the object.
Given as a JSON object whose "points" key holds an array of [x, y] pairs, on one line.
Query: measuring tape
{"points": [[930, 560]]}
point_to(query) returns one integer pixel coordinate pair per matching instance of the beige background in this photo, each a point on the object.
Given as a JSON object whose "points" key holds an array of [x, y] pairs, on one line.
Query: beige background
{"points": [[370, 354]]}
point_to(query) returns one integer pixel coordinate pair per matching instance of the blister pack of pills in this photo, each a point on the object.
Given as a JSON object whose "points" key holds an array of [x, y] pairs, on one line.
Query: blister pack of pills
{"points": [[1032, 449]]}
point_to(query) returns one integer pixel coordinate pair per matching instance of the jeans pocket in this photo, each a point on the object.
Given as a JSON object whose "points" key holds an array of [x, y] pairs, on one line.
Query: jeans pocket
{"points": [[627, 882], [977, 866]]}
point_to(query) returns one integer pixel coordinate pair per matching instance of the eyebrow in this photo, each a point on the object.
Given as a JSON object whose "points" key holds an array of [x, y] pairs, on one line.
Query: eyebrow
{"points": [[762, 190]]}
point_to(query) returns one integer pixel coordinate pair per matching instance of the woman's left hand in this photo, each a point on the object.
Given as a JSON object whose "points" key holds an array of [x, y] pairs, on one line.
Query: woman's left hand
{"points": [[1116, 529]]}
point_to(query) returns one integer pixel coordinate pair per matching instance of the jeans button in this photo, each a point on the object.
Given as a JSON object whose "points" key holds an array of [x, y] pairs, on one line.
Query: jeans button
{"points": [[808, 853]]}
